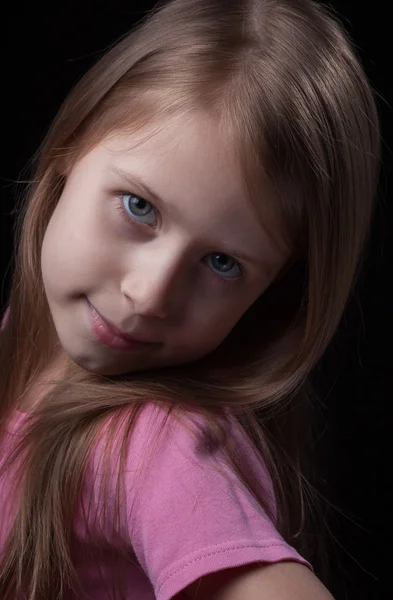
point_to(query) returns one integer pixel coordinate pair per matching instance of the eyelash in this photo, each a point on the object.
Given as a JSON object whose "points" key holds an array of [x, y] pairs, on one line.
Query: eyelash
{"points": [[129, 220]]}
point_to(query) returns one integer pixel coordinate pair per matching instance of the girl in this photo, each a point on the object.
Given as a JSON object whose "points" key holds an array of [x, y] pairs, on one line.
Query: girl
{"points": [[185, 254]]}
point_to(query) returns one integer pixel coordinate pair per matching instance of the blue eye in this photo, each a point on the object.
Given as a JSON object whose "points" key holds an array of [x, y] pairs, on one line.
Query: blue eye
{"points": [[224, 265], [139, 209]]}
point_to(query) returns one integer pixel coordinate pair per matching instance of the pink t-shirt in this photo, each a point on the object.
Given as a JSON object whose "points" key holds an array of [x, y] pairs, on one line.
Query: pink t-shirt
{"points": [[180, 517]]}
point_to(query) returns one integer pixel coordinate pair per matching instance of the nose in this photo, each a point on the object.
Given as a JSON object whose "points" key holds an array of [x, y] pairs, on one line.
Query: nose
{"points": [[155, 286]]}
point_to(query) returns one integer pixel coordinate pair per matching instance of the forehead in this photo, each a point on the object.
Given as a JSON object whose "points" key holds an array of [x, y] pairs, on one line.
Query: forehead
{"points": [[182, 153]]}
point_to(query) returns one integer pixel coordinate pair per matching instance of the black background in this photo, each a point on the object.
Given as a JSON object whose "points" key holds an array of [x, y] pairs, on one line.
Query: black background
{"points": [[45, 49]]}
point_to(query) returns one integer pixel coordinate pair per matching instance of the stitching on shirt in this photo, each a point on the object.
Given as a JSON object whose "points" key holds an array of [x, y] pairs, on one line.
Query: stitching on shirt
{"points": [[221, 551]]}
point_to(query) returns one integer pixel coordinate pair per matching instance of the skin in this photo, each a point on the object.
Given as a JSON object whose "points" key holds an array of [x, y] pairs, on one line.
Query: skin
{"points": [[153, 271]]}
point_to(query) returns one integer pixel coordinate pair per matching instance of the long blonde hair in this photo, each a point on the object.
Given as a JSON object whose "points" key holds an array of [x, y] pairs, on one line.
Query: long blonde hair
{"points": [[282, 78]]}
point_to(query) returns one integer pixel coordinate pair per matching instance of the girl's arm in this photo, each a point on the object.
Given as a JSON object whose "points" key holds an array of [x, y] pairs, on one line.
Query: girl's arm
{"points": [[278, 581]]}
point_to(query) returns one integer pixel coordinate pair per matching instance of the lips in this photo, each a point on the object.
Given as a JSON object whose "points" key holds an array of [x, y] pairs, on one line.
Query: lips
{"points": [[110, 335], [126, 336]]}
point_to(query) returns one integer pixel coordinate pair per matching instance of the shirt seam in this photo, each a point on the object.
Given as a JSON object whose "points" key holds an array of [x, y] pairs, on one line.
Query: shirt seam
{"points": [[219, 550]]}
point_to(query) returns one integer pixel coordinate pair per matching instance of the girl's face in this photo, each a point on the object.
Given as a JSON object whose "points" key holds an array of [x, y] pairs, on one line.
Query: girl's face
{"points": [[176, 266]]}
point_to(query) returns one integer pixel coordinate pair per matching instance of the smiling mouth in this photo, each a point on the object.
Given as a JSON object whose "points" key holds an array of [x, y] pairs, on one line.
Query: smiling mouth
{"points": [[110, 337]]}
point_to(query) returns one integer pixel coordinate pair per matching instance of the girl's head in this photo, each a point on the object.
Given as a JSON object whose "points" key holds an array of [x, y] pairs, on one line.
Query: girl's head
{"points": [[176, 266], [253, 124]]}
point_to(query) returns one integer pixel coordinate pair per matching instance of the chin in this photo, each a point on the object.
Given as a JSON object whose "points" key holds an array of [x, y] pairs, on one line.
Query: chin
{"points": [[99, 368], [106, 367]]}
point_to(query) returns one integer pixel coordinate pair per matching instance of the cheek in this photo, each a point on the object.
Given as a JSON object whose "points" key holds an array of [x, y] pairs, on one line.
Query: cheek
{"points": [[52, 258], [59, 253], [210, 325], [75, 246], [214, 321]]}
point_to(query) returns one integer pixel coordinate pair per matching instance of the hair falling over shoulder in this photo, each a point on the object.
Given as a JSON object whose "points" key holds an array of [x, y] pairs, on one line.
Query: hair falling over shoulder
{"points": [[283, 78]]}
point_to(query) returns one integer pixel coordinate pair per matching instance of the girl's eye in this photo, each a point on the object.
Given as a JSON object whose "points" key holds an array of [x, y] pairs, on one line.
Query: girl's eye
{"points": [[139, 209], [224, 265]]}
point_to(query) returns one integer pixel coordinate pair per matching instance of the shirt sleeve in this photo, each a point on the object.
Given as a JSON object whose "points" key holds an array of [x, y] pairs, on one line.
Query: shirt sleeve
{"points": [[186, 518]]}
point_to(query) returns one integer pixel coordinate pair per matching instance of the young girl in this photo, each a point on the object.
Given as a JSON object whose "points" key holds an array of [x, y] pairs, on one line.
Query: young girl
{"points": [[188, 246]]}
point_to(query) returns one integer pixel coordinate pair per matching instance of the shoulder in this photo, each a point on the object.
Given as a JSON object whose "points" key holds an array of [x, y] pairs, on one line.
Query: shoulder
{"points": [[181, 446], [185, 512], [143, 440], [285, 580]]}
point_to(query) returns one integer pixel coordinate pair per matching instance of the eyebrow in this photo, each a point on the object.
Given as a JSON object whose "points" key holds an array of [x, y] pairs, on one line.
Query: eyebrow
{"points": [[173, 211]]}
